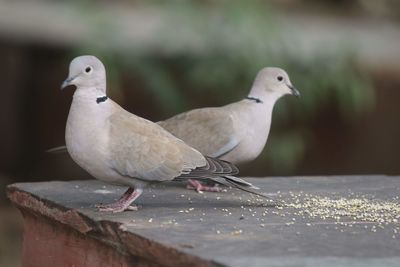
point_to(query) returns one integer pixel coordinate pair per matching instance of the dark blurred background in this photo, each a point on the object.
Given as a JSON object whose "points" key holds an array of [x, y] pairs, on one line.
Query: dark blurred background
{"points": [[165, 57]]}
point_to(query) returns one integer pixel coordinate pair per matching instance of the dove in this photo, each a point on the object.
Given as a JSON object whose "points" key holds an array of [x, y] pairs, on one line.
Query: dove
{"points": [[235, 132], [118, 147]]}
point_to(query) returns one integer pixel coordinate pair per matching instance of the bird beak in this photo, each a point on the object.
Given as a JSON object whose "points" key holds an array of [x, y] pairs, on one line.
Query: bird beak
{"points": [[67, 82], [294, 91]]}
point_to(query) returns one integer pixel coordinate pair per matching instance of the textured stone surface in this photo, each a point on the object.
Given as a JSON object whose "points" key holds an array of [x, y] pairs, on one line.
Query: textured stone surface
{"points": [[177, 227]]}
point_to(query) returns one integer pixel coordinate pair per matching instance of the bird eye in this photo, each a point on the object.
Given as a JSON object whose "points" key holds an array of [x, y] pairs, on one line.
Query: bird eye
{"points": [[88, 69], [280, 78]]}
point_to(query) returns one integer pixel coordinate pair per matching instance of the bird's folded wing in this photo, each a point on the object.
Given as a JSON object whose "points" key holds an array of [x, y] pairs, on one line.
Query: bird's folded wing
{"points": [[209, 130], [214, 168], [141, 149]]}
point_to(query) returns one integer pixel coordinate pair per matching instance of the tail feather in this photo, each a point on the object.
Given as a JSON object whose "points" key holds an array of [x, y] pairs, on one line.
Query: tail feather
{"points": [[249, 190], [57, 150], [221, 166], [213, 168], [224, 167], [240, 181], [221, 172]]}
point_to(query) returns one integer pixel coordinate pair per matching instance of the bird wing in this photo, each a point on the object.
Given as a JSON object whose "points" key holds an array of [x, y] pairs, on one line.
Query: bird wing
{"points": [[209, 130], [141, 149]]}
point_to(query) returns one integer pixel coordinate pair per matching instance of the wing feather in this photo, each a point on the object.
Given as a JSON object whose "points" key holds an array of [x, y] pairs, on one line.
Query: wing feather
{"points": [[142, 149], [209, 130]]}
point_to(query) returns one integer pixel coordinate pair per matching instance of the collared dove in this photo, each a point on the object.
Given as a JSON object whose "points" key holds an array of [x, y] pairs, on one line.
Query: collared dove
{"points": [[118, 147], [236, 132]]}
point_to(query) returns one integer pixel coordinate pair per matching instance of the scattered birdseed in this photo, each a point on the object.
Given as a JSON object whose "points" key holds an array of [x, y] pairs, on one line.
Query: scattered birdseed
{"points": [[358, 209], [237, 232]]}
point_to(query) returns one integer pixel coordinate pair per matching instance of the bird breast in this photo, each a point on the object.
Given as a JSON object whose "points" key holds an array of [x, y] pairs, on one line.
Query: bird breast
{"points": [[252, 124], [86, 134]]}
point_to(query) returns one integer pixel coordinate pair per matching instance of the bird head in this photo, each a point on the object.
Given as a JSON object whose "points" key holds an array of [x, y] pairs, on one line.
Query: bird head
{"points": [[273, 81], [86, 72]]}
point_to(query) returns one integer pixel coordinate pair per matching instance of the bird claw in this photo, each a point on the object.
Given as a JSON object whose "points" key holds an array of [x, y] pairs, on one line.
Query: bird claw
{"points": [[123, 203], [200, 188], [133, 208], [116, 207]]}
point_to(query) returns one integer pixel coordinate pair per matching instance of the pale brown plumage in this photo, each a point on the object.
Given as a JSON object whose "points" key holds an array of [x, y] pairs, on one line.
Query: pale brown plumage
{"points": [[236, 132], [146, 151], [202, 128], [118, 147]]}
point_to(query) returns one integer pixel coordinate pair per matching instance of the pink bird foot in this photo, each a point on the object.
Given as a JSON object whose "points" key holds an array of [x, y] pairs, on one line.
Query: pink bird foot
{"points": [[123, 203], [200, 188]]}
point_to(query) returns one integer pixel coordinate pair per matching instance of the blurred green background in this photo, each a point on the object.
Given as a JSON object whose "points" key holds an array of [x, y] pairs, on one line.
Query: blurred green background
{"points": [[165, 57]]}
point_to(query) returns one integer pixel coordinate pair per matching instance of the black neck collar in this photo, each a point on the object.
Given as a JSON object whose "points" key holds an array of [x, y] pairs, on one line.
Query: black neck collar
{"points": [[101, 99], [255, 99]]}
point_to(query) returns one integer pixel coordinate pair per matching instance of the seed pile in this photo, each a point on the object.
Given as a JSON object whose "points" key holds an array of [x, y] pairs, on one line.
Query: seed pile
{"points": [[357, 208], [333, 211], [344, 211]]}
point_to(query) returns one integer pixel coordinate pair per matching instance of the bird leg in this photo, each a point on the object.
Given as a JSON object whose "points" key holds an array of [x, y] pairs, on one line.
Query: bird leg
{"points": [[199, 187], [124, 202]]}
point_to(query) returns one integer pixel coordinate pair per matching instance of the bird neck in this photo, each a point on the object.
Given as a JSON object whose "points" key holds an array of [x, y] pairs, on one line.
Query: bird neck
{"points": [[255, 99], [260, 111], [101, 99], [91, 94], [91, 102], [263, 97]]}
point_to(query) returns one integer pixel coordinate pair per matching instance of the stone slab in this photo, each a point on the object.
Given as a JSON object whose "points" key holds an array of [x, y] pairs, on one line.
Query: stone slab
{"points": [[178, 227]]}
